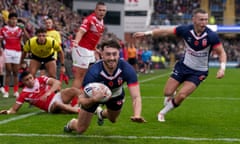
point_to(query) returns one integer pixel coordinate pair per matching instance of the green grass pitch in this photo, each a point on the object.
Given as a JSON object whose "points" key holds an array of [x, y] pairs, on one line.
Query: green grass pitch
{"points": [[211, 115]]}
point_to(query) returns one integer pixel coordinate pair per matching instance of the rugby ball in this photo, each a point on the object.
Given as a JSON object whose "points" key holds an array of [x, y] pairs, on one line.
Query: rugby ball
{"points": [[88, 90]]}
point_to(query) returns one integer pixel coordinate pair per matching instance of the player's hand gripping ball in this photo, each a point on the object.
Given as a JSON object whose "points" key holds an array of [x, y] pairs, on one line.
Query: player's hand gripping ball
{"points": [[99, 90]]}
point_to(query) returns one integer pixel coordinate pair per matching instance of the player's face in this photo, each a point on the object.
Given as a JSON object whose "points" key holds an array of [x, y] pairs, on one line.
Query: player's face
{"points": [[28, 81], [41, 38], [200, 20], [12, 21], [110, 57], [49, 24], [100, 11]]}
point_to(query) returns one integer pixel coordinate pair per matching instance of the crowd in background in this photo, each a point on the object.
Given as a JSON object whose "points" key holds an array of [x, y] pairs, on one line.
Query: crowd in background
{"points": [[164, 51]]}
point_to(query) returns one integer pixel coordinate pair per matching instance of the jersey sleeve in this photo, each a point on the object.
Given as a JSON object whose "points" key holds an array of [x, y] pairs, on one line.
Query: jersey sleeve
{"points": [[214, 39], [26, 47], [58, 38], [43, 79], [129, 74], [56, 46], [180, 30], [21, 99], [89, 77], [85, 26]]}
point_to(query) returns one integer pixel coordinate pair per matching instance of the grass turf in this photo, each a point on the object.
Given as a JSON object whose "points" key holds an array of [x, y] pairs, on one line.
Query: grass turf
{"points": [[209, 116]]}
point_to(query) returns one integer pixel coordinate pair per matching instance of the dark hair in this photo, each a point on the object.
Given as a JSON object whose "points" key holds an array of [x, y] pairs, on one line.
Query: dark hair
{"points": [[110, 43], [23, 74], [40, 30], [12, 15], [198, 10], [100, 3]]}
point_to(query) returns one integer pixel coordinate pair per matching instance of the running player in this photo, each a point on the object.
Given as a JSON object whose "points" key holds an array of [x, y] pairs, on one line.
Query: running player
{"points": [[192, 69]]}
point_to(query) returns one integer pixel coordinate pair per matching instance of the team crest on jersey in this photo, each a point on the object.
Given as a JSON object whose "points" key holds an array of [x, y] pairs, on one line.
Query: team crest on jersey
{"points": [[204, 42], [120, 81], [196, 43], [110, 83]]}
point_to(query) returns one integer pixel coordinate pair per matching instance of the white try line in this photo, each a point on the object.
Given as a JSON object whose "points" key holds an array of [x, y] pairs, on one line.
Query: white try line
{"points": [[18, 117], [196, 98], [153, 78], [123, 137], [34, 113]]}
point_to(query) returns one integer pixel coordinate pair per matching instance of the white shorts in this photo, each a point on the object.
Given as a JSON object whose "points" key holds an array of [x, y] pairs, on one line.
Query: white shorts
{"points": [[12, 56], [56, 98], [82, 57]]}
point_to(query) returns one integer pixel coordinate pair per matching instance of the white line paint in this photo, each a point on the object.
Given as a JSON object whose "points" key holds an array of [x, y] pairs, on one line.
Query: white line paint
{"points": [[119, 136], [31, 114], [123, 137], [196, 98], [153, 78], [18, 118]]}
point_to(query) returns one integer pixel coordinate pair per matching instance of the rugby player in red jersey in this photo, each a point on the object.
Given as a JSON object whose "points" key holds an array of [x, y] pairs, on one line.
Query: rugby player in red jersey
{"points": [[85, 42], [12, 35]]}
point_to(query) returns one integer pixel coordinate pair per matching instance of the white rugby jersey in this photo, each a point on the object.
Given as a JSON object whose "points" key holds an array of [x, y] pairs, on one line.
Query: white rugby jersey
{"points": [[197, 48]]}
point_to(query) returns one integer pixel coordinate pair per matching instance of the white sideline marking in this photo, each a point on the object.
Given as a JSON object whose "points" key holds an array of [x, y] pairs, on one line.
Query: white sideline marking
{"points": [[122, 137], [196, 98], [152, 78], [17, 118], [31, 114]]}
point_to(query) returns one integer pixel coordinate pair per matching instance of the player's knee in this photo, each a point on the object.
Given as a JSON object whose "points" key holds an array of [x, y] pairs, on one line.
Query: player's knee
{"points": [[81, 130], [113, 120], [52, 76], [168, 93], [182, 95]]}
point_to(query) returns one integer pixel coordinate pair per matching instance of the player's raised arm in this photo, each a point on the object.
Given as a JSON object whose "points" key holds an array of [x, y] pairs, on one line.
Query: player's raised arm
{"points": [[156, 32]]}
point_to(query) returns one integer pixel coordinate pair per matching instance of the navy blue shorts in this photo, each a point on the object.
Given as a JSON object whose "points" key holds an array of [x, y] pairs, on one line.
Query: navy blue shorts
{"points": [[183, 73], [113, 104]]}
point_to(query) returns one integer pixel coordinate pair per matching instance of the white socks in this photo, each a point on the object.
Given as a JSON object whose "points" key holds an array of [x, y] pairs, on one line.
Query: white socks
{"points": [[169, 106]]}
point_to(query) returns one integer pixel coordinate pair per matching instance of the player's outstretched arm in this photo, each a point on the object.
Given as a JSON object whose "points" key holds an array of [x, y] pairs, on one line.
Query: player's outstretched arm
{"points": [[12, 110], [156, 32], [136, 104]]}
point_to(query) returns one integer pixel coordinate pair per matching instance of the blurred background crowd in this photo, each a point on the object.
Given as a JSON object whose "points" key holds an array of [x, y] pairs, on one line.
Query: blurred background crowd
{"points": [[163, 51]]}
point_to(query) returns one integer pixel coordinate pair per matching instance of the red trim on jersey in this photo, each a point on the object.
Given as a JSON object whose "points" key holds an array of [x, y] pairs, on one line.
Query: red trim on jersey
{"points": [[133, 84], [175, 31], [217, 45]]}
